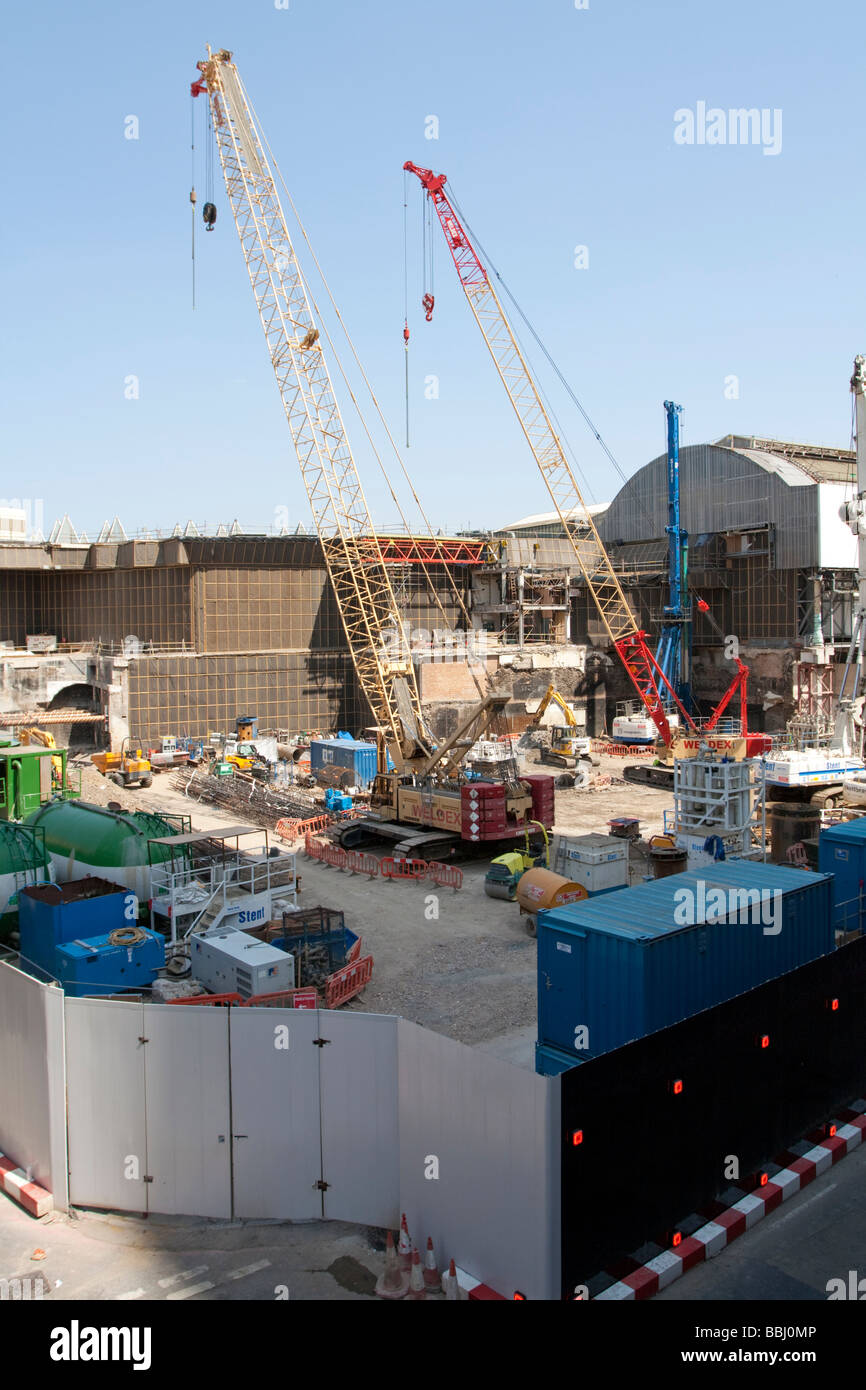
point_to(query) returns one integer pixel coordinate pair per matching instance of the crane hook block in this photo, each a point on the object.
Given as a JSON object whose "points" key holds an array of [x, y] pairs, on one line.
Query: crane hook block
{"points": [[427, 305], [406, 334], [208, 213]]}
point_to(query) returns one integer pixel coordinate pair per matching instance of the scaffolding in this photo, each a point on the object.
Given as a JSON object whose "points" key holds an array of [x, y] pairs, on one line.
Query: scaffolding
{"points": [[717, 801]]}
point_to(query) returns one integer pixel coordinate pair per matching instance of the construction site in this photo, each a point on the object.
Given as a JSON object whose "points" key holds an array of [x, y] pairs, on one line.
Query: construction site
{"points": [[508, 830]]}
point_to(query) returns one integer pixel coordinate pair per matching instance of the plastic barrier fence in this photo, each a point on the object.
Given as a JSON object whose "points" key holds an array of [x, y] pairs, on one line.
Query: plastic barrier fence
{"points": [[404, 868], [358, 863], [348, 982], [443, 875], [623, 750], [291, 830]]}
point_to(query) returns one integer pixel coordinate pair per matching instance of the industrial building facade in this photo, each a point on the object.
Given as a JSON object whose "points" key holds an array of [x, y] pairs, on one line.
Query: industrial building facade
{"points": [[180, 634]]}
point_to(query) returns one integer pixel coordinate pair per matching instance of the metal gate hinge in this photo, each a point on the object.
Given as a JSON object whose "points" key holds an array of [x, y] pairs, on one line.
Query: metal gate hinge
{"points": [[144, 1040], [322, 1186], [147, 1180], [320, 1042]]}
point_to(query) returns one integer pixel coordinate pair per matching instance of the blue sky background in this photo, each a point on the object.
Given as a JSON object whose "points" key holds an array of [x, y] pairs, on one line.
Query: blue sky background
{"points": [[555, 128]]}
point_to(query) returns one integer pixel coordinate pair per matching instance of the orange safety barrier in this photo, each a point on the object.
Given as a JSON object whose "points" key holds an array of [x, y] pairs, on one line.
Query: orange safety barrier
{"points": [[353, 952], [446, 875], [280, 999], [358, 863], [346, 983], [623, 750], [218, 999], [404, 868], [291, 830], [333, 855]]}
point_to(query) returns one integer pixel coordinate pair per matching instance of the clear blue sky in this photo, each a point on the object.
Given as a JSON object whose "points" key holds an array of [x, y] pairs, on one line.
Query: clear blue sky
{"points": [[556, 127]]}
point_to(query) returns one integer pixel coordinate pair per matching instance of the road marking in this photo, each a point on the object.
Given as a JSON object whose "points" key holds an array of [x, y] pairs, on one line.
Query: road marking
{"points": [[803, 1205], [184, 1274], [135, 1293], [248, 1269], [191, 1291]]}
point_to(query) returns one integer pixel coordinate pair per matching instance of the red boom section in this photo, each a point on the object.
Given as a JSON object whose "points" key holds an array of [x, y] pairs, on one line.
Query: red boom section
{"points": [[636, 656], [645, 674]]}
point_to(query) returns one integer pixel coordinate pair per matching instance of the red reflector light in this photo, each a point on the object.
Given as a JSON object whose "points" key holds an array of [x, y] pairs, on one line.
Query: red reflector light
{"points": [[763, 1179], [831, 1131], [834, 1004], [677, 1239], [576, 1137], [519, 1297], [765, 1040], [678, 1088]]}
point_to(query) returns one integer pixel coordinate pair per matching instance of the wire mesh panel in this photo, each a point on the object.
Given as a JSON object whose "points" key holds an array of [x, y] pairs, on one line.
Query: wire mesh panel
{"points": [[195, 695]]}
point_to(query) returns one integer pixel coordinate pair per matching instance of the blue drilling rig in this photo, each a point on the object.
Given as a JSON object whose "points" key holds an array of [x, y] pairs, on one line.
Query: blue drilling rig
{"points": [[674, 651]]}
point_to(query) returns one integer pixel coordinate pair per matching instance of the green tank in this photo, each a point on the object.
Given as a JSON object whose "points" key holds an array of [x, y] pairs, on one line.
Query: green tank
{"points": [[82, 838], [23, 862]]}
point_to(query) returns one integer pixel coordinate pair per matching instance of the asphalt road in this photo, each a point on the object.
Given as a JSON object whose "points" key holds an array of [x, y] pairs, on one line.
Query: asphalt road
{"points": [[111, 1257], [819, 1235]]}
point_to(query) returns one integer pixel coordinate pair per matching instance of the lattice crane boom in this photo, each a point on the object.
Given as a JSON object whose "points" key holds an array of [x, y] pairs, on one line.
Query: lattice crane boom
{"points": [[365, 598], [601, 579]]}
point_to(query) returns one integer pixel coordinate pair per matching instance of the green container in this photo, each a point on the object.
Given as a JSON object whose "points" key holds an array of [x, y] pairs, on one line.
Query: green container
{"points": [[82, 838], [30, 777], [23, 862]]}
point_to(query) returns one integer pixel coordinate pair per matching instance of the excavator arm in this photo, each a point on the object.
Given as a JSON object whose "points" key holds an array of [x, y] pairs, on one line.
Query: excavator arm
{"points": [[552, 696]]}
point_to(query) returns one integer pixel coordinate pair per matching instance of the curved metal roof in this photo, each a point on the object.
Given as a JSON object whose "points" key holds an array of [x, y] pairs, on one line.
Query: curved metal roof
{"points": [[723, 489]]}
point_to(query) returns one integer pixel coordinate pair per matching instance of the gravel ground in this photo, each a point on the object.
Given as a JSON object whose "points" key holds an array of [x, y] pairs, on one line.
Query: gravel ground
{"points": [[468, 972]]}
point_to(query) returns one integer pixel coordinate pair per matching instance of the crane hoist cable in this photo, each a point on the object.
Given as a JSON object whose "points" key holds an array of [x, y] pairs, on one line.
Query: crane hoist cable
{"points": [[192, 193], [455, 591], [562, 379], [603, 584], [406, 292]]}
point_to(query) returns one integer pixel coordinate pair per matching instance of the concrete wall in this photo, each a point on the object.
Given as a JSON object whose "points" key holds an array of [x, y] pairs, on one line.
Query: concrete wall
{"points": [[395, 1117], [493, 1131], [33, 1079]]}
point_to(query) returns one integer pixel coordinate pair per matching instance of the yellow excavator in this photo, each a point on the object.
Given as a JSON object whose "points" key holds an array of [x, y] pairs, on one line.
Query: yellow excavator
{"points": [[567, 747], [47, 740]]}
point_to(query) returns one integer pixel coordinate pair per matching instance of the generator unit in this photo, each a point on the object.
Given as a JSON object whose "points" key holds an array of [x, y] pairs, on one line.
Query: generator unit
{"points": [[126, 959], [229, 961], [599, 862]]}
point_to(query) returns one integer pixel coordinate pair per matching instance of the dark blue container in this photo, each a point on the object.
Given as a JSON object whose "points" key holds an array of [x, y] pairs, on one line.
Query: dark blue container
{"points": [[618, 967], [99, 967], [348, 753], [842, 853], [51, 913]]}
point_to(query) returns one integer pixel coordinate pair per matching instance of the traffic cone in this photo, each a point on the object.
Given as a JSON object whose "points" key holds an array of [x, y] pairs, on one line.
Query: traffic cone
{"points": [[417, 1289], [393, 1283], [450, 1287], [431, 1273], [404, 1246]]}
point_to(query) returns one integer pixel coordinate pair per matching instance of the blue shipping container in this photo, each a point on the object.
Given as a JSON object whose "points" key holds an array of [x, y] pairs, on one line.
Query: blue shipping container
{"points": [[350, 753], [842, 853], [51, 913], [98, 967], [616, 968]]}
